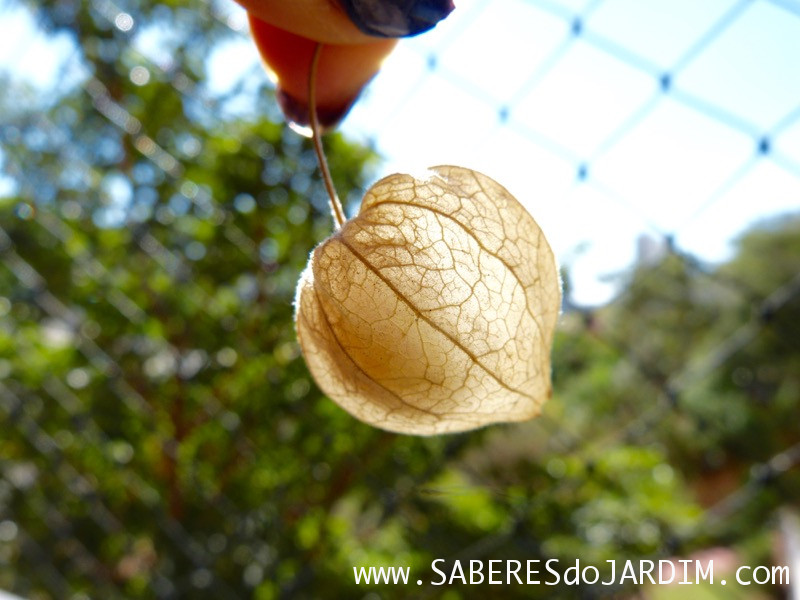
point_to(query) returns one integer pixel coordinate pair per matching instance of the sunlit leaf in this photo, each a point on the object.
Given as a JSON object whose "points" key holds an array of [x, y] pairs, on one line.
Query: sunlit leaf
{"points": [[433, 310]]}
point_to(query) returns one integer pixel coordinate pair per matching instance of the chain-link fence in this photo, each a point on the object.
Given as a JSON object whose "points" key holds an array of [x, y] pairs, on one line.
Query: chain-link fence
{"points": [[160, 434]]}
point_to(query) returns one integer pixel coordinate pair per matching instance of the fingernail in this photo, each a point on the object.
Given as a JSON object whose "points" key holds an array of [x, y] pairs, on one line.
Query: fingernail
{"points": [[396, 18]]}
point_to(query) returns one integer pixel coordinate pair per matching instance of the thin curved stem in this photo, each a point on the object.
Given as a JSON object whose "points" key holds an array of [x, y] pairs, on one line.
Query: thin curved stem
{"points": [[336, 206]]}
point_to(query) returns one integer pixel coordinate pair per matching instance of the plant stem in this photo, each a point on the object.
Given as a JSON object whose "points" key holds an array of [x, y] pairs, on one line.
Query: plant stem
{"points": [[336, 206]]}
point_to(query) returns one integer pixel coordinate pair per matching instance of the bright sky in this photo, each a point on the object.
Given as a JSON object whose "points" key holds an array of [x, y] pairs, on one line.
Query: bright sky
{"points": [[535, 92]]}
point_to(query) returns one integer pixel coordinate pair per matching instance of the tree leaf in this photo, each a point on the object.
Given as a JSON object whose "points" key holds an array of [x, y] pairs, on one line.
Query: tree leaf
{"points": [[433, 310]]}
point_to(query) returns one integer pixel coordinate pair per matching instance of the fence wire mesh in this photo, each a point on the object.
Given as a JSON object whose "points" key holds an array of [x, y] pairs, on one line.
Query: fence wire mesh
{"points": [[160, 434]]}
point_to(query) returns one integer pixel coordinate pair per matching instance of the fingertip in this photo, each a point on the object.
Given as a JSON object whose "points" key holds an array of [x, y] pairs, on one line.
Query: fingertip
{"points": [[297, 112], [344, 70]]}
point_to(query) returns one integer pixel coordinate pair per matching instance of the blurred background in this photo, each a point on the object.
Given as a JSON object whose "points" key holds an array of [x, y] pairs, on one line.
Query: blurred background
{"points": [[160, 436]]}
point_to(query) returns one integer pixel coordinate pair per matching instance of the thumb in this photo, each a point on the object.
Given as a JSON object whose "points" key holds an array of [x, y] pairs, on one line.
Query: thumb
{"points": [[344, 70]]}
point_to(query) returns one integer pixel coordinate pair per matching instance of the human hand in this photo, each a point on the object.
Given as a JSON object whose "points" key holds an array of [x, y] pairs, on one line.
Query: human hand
{"points": [[357, 36]]}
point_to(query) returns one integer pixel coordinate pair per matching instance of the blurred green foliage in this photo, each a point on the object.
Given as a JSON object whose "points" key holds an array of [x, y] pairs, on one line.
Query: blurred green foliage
{"points": [[161, 437]]}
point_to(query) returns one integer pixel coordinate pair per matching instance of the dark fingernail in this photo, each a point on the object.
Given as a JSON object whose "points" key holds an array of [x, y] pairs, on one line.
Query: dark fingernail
{"points": [[396, 18]]}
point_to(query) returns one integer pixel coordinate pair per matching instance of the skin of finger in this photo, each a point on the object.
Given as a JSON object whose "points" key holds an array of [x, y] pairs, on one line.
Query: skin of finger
{"points": [[320, 20], [343, 69]]}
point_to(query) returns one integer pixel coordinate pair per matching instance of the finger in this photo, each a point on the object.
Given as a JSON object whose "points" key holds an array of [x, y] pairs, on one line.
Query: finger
{"points": [[321, 20], [343, 71]]}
